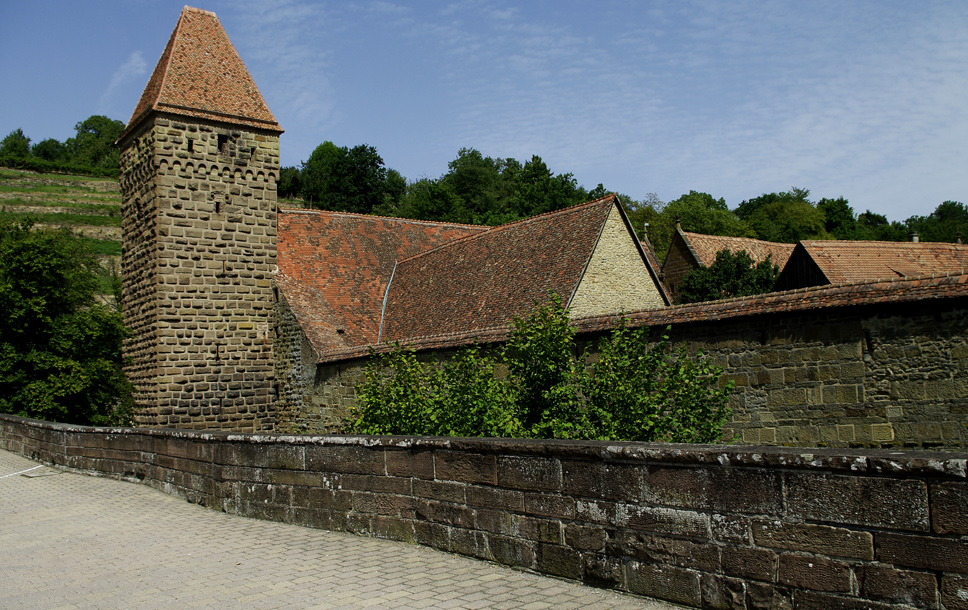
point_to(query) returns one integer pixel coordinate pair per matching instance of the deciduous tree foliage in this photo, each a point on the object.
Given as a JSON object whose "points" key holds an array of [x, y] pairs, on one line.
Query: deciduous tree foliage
{"points": [[60, 351], [533, 387], [731, 275], [784, 217]]}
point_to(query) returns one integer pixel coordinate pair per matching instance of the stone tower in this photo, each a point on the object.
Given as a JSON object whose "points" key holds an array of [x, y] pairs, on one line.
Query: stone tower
{"points": [[199, 163]]}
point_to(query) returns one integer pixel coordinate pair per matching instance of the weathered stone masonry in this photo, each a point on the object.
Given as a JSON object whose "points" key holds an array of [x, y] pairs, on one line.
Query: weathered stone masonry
{"points": [[710, 526], [199, 253], [881, 375]]}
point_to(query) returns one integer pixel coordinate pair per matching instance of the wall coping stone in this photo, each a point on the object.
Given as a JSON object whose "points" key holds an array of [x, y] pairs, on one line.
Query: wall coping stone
{"points": [[939, 464]]}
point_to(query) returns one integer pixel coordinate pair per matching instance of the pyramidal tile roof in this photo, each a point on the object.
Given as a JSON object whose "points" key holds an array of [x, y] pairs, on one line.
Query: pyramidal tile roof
{"points": [[484, 280], [858, 261], [705, 248], [334, 268], [201, 75]]}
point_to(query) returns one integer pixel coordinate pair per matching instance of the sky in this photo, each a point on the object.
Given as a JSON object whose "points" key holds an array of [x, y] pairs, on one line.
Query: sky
{"points": [[866, 99]]}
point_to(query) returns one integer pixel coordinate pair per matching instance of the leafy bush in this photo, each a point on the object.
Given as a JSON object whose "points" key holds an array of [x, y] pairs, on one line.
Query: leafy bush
{"points": [[533, 387], [731, 275], [60, 352]]}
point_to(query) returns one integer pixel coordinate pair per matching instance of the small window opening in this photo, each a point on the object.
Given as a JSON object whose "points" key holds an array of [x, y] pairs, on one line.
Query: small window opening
{"points": [[223, 144], [191, 146], [218, 206]]}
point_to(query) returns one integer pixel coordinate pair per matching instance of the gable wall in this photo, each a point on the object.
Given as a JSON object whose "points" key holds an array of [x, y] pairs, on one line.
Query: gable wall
{"points": [[678, 263], [616, 278]]}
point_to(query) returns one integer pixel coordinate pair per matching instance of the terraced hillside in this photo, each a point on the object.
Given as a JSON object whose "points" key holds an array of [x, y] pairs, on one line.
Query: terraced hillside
{"points": [[89, 206]]}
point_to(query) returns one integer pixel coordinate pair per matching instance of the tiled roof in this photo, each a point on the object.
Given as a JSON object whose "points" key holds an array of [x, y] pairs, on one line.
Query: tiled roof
{"points": [[334, 268], [483, 281], [201, 75], [885, 292], [857, 261], [705, 248]]}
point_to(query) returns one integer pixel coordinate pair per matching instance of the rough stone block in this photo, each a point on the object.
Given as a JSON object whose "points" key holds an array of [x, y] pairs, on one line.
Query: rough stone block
{"points": [[810, 538], [750, 563], [608, 481], [489, 497], [531, 473], [949, 507], [446, 491], [664, 520], [512, 551], [719, 490], [954, 592], [665, 582], [548, 505], [465, 467], [722, 593], [814, 573], [887, 584], [871, 502], [559, 561], [924, 552]]}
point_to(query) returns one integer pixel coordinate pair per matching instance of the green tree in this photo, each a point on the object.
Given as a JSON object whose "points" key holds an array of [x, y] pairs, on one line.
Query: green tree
{"points": [[839, 219], [344, 179], [644, 391], [60, 351], [696, 212], [873, 226], [784, 217], [289, 182], [49, 150], [15, 144], [731, 275], [93, 145], [944, 224]]}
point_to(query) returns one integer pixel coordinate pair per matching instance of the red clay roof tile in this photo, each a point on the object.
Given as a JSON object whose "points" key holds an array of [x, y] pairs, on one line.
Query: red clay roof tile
{"points": [[201, 75], [484, 280], [334, 268], [706, 247], [858, 261]]}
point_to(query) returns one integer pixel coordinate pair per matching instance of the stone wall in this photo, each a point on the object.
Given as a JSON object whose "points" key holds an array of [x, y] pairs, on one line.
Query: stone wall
{"points": [[892, 375], [199, 224], [704, 526]]}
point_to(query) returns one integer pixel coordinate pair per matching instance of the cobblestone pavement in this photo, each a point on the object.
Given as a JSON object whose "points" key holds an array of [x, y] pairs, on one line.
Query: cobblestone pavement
{"points": [[74, 541]]}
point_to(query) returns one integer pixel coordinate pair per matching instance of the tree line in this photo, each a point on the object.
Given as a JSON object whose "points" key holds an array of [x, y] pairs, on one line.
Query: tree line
{"points": [[477, 189], [91, 151]]}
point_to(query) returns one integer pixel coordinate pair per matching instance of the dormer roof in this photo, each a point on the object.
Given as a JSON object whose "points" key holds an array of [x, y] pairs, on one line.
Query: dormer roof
{"points": [[200, 75]]}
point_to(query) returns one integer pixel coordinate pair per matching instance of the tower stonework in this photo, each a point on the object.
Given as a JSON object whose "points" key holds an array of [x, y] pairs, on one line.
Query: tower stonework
{"points": [[199, 163]]}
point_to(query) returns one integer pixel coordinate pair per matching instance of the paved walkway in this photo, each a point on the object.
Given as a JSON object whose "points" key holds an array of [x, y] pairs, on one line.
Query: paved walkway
{"points": [[73, 541]]}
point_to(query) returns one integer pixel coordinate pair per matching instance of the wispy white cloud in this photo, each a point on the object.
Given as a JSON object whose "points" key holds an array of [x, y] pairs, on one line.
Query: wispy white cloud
{"points": [[133, 68]]}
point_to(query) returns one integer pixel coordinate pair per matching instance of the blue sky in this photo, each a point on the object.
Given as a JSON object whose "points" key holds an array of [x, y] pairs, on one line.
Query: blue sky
{"points": [[863, 99]]}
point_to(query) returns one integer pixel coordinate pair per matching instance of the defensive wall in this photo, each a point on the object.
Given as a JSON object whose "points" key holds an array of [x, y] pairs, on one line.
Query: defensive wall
{"points": [[882, 364], [701, 525]]}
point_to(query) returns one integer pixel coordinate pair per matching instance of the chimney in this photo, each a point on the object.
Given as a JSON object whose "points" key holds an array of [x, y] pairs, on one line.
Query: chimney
{"points": [[913, 237]]}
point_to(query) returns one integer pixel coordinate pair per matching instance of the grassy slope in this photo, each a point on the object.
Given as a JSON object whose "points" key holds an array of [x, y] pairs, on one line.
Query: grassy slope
{"points": [[88, 206]]}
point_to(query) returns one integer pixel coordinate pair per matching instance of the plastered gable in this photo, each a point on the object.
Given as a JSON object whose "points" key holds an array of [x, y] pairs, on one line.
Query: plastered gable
{"points": [[616, 278]]}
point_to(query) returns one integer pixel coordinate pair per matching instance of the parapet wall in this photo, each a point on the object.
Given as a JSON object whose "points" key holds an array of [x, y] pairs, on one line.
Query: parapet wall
{"points": [[701, 525]]}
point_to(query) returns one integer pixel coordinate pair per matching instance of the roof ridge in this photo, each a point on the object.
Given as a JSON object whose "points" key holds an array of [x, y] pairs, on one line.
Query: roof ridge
{"points": [[435, 223], [492, 230]]}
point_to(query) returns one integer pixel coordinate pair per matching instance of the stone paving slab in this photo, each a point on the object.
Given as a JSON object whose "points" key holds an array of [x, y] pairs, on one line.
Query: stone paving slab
{"points": [[73, 541]]}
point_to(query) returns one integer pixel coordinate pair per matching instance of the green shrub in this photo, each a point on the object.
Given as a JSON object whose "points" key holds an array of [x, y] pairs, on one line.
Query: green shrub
{"points": [[60, 351], [533, 387]]}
